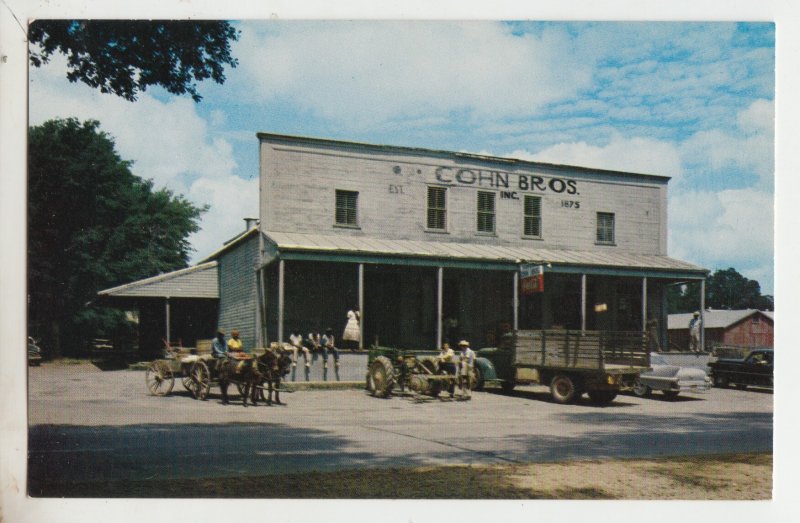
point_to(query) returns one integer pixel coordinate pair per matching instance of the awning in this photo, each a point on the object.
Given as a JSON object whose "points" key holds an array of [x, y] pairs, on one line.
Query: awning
{"points": [[365, 249]]}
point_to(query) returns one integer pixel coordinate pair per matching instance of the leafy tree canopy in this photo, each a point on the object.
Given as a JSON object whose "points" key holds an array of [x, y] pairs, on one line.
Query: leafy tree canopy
{"points": [[125, 57], [725, 289], [92, 224]]}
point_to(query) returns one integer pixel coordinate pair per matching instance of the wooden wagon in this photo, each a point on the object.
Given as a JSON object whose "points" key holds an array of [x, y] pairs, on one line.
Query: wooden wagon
{"points": [[193, 366]]}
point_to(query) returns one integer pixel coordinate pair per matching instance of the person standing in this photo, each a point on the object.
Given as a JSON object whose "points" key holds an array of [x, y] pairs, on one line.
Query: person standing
{"points": [[466, 364], [329, 346], [352, 331], [447, 363], [694, 332]]}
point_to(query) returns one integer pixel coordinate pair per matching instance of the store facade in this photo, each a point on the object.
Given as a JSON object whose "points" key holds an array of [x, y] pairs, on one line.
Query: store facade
{"points": [[434, 246]]}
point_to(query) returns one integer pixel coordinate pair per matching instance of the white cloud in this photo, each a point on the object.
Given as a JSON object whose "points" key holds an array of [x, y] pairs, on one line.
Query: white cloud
{"points": [[365, 73], [169, 143], [640, 155], [732, 228]]}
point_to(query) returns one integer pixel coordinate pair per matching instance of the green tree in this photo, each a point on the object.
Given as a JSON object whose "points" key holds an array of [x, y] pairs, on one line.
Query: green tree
{"points": [[92, 224], [725, 289], [124, 57]]}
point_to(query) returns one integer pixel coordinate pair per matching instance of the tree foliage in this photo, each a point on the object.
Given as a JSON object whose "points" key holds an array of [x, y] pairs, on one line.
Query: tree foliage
{"points": [[725, 289], [125, 57], [92, 224]]}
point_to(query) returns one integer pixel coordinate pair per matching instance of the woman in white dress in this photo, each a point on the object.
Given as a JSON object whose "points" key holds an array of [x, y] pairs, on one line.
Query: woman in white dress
{"points": [[352, 332]]}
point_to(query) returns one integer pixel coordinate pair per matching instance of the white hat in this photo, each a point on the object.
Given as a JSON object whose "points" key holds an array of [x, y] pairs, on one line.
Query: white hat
{"points": [[463, 343]]}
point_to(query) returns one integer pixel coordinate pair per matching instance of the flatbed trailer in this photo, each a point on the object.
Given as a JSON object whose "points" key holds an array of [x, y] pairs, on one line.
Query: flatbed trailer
{"points": [[599, 363]]}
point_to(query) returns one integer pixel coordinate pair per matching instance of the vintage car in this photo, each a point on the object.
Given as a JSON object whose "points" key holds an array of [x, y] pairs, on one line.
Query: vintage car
{"points": [[34, 352], [670, 379], [755, 369]]}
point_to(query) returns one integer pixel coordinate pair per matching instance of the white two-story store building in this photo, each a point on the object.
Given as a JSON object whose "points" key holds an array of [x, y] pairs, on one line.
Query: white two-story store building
{"points": [[429, 246]]}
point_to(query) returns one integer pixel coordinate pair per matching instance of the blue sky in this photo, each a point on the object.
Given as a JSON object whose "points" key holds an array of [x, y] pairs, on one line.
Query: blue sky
{"points": [[694, 101]]}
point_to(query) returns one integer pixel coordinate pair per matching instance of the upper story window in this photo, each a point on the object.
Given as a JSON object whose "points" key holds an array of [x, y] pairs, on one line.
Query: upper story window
{"points": [[437, 208], [486, 211], [605, 228], [533, 216], [347, 208]]}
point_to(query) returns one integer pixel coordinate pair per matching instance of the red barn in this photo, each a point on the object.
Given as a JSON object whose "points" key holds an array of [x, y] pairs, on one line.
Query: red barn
{"points": [[742, 328]]}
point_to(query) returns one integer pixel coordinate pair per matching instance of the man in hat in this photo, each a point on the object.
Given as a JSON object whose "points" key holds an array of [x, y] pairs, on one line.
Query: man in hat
{"points": [[218, 347], [329, 347], [694, 332], [465, 364], [447, 364]]}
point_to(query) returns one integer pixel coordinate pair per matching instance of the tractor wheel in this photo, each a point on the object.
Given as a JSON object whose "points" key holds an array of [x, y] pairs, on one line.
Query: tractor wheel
{"points": [[201, 377], [159, 378], [563, 389], [381, 377]]}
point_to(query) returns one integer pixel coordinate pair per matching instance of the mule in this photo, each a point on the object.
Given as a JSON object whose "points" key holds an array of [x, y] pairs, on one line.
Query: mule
{"points": [[271, 367], [243, 373]]}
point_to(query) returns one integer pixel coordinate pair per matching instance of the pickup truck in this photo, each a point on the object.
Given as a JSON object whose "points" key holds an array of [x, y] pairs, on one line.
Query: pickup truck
{"points": [[755, 369], [600, 363]]}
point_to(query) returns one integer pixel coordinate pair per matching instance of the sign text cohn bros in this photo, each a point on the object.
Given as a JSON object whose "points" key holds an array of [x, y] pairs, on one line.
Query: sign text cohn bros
{"points": [[504, 180]]}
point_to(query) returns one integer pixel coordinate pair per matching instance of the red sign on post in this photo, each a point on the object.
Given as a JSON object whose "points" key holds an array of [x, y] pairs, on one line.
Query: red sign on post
{"points": [[531, 279]]}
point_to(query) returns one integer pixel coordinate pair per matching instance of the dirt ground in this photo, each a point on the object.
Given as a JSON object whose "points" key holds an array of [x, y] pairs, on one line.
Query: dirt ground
{"points": [[721, 477]]}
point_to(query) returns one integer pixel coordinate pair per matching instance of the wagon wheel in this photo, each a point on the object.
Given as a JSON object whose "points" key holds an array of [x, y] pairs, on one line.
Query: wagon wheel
{"points": [[381, 377], [201, 377], [563, 389], [188, 384], [159, 378]]}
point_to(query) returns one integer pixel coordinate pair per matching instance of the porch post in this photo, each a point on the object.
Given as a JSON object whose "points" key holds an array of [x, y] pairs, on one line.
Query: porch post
{"points": [[644, 304], [280, 299], [516, 300], [439, 290], [166, 307], [702, 314], [361, 305], [583, 302]]}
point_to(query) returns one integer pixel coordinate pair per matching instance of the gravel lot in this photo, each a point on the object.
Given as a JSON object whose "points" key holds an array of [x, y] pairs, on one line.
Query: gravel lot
{"points": [[91, 425]]}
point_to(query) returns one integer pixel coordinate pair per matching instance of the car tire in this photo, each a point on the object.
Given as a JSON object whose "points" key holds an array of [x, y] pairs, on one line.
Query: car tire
{"points": [[642, 390], [563, 389]]}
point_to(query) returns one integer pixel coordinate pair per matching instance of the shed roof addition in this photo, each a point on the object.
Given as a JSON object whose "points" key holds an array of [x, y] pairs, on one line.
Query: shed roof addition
{"points": [[198, 281]]}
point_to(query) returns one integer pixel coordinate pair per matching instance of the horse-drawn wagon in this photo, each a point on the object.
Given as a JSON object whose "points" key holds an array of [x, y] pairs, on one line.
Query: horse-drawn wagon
{"points": [[198, 370]]}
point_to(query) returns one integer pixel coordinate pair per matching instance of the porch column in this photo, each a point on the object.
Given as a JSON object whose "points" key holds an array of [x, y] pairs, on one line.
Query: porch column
{"points": [[280, 300], [702, 314], [361, 305], [516, 300], [439, 300], [644, 304], [166, 310], [583, 302]]}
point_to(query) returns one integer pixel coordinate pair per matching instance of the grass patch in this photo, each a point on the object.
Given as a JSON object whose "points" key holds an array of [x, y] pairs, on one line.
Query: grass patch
{"points": [[702, 477]]}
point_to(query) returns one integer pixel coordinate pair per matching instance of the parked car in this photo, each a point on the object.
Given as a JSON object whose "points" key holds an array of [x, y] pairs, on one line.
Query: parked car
{"points": [[34, 352], [755, 369], [670, 379]]}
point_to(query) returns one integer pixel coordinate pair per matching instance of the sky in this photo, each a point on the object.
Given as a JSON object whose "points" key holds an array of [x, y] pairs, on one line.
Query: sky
{"points": [[693, 101]]}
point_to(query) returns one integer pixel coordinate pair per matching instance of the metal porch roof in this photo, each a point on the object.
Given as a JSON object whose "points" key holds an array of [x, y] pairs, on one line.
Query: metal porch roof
{"points": [[199, 281], [290, 245], [715, 318]]}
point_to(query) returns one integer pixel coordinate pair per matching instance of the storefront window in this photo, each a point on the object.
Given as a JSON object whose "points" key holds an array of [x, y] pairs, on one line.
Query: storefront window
{"points": [[533, 216], [347, 208], [605, 227], [437, 208], [485, 211]]}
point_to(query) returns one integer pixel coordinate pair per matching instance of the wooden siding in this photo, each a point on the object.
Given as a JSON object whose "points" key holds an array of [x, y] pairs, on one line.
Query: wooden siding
{"points": [[237, 284], [299, 183]]}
